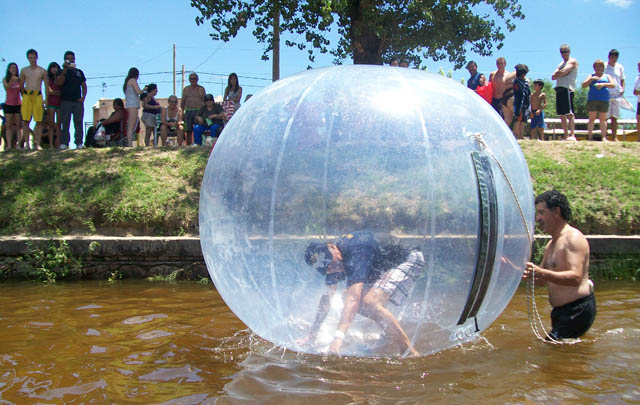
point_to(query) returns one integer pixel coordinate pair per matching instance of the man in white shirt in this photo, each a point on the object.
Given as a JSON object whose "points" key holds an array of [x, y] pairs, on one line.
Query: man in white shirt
{"points": [[565, 77], [616, 71]]}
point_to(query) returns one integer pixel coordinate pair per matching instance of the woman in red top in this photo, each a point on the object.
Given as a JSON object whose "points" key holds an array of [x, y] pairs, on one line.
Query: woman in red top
{"points": [[53, 105], [11, 83]]}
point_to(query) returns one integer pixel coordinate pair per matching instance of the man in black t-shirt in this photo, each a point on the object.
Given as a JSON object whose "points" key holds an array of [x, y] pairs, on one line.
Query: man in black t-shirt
{"points": [[73, 91], [209, 118]]}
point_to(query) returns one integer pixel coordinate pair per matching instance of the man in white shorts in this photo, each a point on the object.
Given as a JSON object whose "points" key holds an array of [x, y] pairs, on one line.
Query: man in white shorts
{"points": [[616, 71]]}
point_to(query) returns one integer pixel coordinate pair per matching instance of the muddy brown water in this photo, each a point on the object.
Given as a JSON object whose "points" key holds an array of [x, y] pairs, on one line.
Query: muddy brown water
{"points": [[139, 342]]}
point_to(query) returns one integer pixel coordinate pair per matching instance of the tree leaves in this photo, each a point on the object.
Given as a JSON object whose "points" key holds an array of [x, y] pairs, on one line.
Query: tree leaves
{"points": [[371, 31]]}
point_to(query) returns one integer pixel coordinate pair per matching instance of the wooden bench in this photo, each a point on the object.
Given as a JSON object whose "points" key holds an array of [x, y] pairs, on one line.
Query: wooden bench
{"points": [[554, 129]]}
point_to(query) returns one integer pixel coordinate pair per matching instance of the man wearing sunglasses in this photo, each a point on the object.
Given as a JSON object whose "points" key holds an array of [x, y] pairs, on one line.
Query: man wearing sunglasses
{"points": [[192, 102], [565, 77]]}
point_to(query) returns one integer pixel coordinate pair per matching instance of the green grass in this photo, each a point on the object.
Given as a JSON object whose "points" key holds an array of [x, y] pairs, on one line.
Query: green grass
{"points": [[106, 191], [156, 191], [602, 182]]}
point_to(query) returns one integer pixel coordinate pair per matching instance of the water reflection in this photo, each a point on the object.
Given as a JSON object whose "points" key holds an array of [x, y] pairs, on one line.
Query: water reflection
{"points": [[138, 342]]}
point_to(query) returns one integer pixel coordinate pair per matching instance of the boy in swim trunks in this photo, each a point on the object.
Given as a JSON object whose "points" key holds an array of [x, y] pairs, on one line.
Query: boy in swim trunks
{"points": [[564, 268], [538, 104], [31, 79]]}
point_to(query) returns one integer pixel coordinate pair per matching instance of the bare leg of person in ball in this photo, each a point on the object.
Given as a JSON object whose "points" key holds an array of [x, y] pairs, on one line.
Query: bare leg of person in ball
{"points": [[352, 300], [393, 286], [374, 308], [334, 272]]}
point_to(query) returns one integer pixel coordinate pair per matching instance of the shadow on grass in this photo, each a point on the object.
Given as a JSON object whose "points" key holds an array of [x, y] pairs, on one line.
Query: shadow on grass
{"points": [[48, 190], [111, 191]]}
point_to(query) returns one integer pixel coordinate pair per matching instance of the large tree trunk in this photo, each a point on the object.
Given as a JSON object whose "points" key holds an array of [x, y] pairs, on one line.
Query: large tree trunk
{"points": [[365, 43]]}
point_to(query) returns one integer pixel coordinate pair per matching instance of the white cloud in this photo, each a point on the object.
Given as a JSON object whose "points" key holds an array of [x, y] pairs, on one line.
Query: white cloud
{"points": [[620, 3]]}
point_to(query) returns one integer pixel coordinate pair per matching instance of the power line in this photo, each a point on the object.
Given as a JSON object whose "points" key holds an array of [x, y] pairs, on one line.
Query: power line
{"points": [[156, 56], [177, 74], [103, 85], [210, 56], [125, 75]]}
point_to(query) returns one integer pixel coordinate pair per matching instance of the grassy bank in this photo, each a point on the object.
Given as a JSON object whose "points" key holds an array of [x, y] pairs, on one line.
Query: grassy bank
{"points": [[155, 191]]}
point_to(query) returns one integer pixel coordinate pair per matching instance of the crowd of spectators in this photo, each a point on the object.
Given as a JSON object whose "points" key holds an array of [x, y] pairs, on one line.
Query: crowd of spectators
{"points": [[199, 119], [510, 95], [65, 91], [196, 121]]}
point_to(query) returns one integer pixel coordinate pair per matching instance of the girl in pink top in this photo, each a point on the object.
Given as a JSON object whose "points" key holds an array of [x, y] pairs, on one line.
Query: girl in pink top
{"points": [[11, 83], [53, 105]]}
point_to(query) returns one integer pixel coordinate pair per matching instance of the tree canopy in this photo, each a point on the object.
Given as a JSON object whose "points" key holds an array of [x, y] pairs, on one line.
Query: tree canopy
{"points": [[371, 31]]}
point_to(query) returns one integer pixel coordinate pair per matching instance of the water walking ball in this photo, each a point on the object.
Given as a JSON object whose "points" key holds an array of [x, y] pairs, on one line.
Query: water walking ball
{"points": [[368, 210]]}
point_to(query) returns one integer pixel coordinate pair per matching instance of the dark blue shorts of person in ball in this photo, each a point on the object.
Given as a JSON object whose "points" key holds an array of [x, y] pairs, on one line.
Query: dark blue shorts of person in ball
{"points": [[360, 251]]}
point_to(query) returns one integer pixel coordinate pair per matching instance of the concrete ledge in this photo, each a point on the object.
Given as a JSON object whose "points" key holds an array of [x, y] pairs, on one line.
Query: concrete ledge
{"points": [[105, 257], [189, 247], [604, 245], [139, 256], [135, 246]]}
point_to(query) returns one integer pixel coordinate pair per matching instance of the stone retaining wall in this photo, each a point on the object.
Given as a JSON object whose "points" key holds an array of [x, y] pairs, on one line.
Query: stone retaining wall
{"points": [[140, 257], [104, 257]]}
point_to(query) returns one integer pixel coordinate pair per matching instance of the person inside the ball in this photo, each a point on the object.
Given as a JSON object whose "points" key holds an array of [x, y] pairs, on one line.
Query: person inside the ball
{"points": [[374, 277]]}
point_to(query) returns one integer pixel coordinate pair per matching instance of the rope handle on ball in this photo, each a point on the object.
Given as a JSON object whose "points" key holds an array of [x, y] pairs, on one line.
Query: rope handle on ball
{"points": [[535, 321]]}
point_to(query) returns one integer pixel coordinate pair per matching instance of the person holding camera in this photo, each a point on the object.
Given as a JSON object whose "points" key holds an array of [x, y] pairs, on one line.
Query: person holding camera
{"points": [[73, 91]]}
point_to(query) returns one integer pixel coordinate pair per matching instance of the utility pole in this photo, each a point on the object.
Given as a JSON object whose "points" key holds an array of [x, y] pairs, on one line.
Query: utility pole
{"points": [[174, 69], [275, 70], [182, 78]]}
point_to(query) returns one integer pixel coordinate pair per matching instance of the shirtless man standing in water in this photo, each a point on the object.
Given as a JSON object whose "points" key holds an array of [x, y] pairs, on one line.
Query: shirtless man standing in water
{"points": [[564, 268], [503, 90]]}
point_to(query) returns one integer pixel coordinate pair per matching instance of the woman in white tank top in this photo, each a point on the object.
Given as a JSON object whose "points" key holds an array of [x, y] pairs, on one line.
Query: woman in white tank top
{"points": [[132, 101]]}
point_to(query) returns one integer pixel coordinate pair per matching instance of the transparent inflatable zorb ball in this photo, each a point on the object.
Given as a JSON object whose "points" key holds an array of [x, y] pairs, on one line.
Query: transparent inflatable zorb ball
{"points": [[370, 210]]}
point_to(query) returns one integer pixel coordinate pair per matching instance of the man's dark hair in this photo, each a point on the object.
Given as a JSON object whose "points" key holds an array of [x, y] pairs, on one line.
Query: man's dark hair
{"points": [[614, 52], [68, 53], [118, 102], [471, 62], [30, 51], [553, 199], [521, 70], [539, 82]]}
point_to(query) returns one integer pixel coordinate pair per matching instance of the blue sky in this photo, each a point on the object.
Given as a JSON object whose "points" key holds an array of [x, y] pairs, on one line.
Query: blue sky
{"points": [[110, 37]]}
